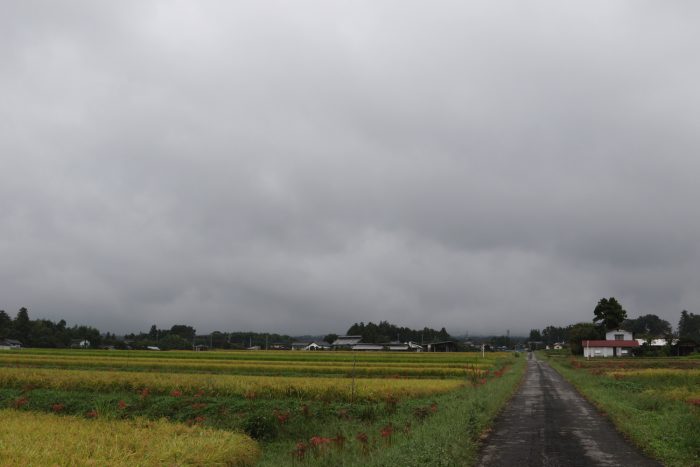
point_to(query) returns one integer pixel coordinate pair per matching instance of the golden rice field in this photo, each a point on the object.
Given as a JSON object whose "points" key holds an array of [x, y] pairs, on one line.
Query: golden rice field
{"points": [[267, 387], [46, 439], [237, 366], [669, 378], [238, 407]]}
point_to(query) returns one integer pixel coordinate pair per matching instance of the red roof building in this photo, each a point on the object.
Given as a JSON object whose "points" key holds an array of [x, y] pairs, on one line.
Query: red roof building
{"points": [[617, 343]]}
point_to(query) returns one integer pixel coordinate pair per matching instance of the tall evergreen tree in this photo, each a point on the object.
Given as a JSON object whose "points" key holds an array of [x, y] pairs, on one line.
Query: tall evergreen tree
{"points": [[22, 326]]}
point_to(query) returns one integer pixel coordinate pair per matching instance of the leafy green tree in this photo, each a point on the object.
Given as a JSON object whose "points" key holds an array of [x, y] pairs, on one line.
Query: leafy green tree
{"points": [[689, 327], [647, 326], [184, 331], [554, 334], [580, 332], [174, 342], [609, 313], [535, 335]]}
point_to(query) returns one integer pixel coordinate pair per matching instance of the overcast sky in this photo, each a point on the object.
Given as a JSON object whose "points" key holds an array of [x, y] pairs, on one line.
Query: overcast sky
{"points": [[298, 166]]}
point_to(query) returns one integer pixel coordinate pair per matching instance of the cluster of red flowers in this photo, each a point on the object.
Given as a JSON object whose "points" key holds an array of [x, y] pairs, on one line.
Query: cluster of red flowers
{"points": [[91, 414], [199, 405], [57, 408], [144, 393], [122, 405], [317, 444], [176, 393], [694, 401], [199, 393]]}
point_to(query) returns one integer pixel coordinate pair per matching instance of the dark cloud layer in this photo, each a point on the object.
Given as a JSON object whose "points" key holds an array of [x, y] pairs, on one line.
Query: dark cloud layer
{"points": [[299, 166]]}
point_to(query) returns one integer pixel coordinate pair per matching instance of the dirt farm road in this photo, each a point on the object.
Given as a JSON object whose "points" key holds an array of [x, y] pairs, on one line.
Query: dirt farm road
{"points": [[547, 423]]}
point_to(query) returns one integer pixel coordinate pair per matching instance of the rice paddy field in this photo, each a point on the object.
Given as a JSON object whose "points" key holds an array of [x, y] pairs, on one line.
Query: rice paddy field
{"points": [[654, 401], [248, 407]]}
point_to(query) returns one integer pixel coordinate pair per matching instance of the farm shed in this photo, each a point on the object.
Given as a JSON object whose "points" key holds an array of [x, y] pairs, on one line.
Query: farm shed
{"points": [[346, 342], [444, 346], [366, 347], [9, 344]]}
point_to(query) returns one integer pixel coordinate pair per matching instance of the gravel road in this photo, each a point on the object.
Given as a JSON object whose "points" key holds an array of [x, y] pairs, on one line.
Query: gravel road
{"points": [[547, 423]]}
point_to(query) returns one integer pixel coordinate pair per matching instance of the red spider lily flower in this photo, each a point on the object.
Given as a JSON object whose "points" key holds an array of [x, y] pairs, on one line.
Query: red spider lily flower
{"points": [[300, 450], [91, 414], [176, 393], [319, 441], [122, 405], [57, 407], [22, 401], [282, 417], [387, 431]]}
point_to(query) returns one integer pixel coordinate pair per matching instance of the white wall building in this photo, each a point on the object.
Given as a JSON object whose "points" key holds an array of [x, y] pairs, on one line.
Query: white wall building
{"points": [[617, 343]]}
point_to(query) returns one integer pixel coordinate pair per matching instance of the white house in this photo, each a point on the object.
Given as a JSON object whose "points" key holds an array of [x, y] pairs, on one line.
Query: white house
{"points": [[617, 343]]}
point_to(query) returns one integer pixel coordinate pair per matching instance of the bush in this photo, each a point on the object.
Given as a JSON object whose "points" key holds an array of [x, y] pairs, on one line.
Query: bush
{"points": [[261, 427]]}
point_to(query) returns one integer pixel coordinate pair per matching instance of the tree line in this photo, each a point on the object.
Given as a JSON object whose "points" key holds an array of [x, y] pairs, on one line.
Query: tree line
{"points": [[47, 333], [387, 332], [44, 332]]}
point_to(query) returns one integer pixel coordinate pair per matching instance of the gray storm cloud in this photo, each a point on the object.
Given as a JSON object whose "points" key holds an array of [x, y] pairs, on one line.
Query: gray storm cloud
{"points": [[300, 166]]}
